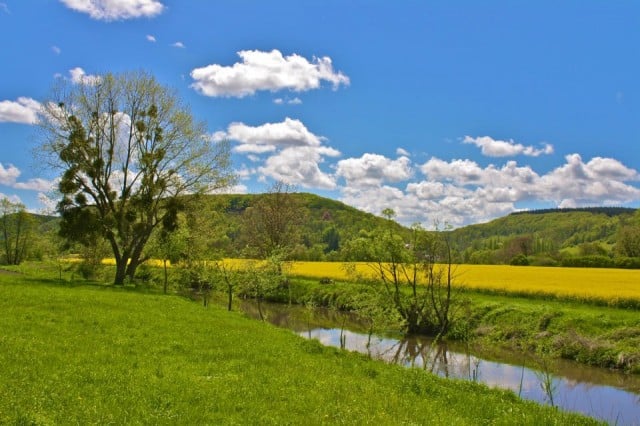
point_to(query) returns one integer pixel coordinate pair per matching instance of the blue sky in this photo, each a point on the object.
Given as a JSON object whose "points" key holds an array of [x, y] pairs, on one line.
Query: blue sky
{"points": [[455, 112]]}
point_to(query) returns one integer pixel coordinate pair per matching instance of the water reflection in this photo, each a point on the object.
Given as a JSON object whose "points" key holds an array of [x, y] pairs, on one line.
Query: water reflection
{"points": [[607, 395]]}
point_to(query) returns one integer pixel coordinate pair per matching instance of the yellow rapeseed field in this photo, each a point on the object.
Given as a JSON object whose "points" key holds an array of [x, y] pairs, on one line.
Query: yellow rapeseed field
{"points": [[610, 285], [582, 283]]}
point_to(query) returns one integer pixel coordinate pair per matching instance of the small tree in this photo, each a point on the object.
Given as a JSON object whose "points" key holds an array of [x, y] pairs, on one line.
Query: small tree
{"points": [[229, 278], [271, 223], [16, 228], [416, 273], [127, 150], [272, 227], [259, 280], [169, 244]]}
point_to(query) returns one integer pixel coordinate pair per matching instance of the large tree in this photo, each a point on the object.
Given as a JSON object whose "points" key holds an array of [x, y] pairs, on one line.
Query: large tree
{"points": [[128, 150]]}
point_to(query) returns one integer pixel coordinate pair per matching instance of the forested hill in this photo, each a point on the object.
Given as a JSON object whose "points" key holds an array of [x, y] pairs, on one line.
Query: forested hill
{"points": [[323, 230], [581, 231], [329, 230], [609, 211]]}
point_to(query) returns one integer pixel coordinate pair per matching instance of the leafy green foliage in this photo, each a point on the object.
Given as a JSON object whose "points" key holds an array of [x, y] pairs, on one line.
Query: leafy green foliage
{"points": [[545, 237], [16, 230], [126, 150]]}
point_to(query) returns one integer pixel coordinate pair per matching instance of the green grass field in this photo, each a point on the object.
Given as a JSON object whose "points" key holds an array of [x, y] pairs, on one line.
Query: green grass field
{"points": [[99, 355]]}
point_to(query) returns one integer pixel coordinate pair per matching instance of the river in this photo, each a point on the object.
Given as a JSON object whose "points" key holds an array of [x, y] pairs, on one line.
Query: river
{"points": [[607, 395]]}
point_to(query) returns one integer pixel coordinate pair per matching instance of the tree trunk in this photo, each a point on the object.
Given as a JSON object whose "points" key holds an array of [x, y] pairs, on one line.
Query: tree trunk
{"points": [[121, 271], [166, 275]]}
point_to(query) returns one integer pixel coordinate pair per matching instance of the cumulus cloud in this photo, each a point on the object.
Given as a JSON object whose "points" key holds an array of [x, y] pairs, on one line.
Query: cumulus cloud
{"points": [[9, 174], [9, 177], [267, 137], [373, 169], [56, 50], [293, 152], [22, 110], [599, 181], [299, 166], [461, 192], [178, 44], [151, 38], [266, 71], [36, 184], [79, 76], [115, 10], [497, 148]]}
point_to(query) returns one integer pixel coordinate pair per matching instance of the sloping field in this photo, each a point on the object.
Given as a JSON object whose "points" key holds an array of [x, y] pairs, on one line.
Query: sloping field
{"points": [[610, 285], [98, 355]]}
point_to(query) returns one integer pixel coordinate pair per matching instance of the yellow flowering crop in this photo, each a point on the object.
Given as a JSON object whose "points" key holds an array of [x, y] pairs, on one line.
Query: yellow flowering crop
{"points": [[582, 283]]}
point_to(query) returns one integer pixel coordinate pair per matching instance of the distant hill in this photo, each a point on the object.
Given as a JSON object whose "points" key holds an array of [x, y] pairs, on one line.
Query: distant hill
{"points": [[326, 226], [546, 231]]}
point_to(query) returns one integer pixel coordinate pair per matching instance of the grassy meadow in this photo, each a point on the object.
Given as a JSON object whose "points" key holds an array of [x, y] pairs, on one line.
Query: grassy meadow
{"points": [[92, 354]]}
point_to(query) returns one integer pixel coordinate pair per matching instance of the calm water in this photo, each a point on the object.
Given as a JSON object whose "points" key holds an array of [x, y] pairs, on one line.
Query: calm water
{"points": [[606, 395]]}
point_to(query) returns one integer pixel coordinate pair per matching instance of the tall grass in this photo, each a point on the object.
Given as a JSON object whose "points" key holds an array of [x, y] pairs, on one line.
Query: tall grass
{"points": [[90, 354]]}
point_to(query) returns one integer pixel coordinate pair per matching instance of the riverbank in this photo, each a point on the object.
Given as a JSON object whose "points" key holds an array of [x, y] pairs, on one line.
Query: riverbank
{"points": [[604, 394], [591, 334], [96, 354]]}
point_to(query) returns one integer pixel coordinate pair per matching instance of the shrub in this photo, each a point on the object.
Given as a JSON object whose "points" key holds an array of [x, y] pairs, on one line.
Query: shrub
{"points": [[520, 260]]}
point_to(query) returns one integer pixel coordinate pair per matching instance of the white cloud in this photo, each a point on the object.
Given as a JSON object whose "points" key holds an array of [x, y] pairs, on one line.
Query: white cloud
{"points": [[461, 192], [56, 50], [23, 110], [79, 76], [36, 184], [294, 152], [460, 171], [281, 101], [9, 174], [178, 44], [599, 181], [497, 148], [457, 191], [114, 10], [5, 8], [151, 38], [268, 136], [266, 71], [373, 169], [298, 166]]}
